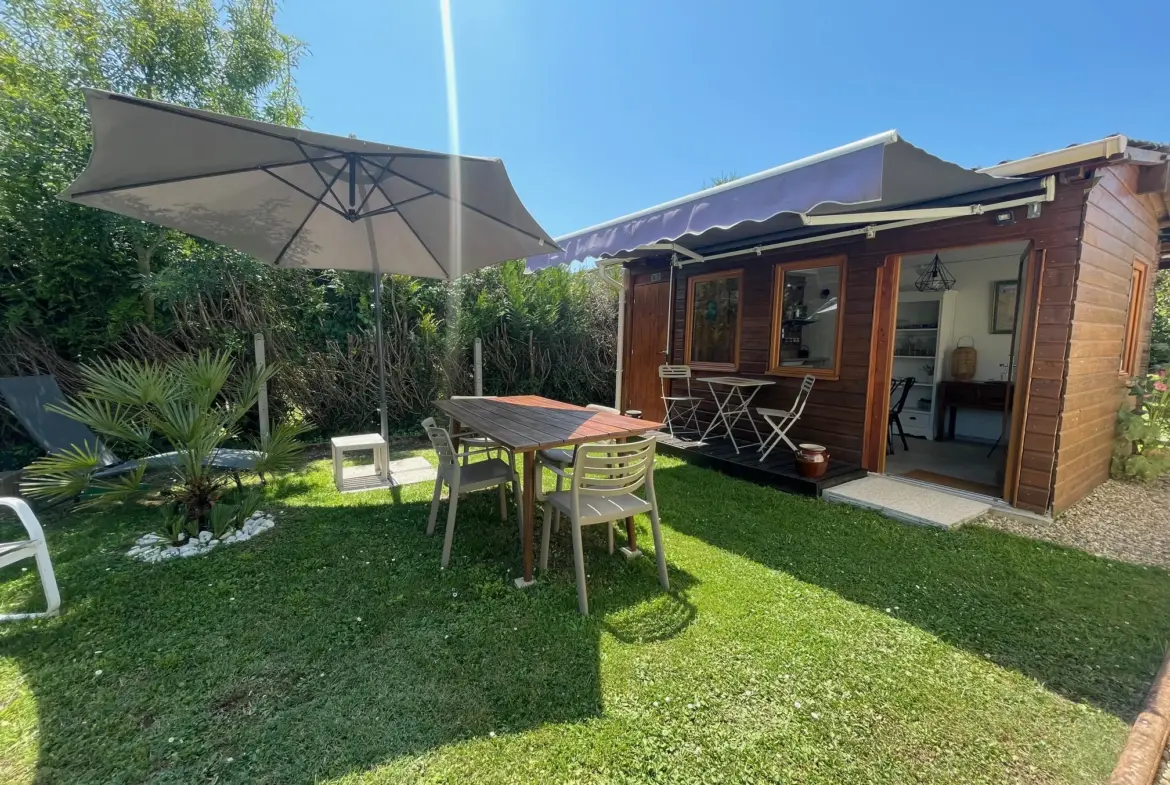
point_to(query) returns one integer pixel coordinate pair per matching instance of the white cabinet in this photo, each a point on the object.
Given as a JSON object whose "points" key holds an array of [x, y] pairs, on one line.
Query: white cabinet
{"points": [[922, 339]]}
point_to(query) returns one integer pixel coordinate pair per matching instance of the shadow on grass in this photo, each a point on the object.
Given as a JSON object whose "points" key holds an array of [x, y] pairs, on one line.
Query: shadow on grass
{"points": [[1088, 628], [329, 646]]}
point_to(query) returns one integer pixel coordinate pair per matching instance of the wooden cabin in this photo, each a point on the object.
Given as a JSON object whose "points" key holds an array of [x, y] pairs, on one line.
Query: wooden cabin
{"points": [[831, 267]]}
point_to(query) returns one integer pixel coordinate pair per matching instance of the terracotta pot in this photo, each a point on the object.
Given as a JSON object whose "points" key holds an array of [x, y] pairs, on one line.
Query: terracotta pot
{"points": [[812, 461]]}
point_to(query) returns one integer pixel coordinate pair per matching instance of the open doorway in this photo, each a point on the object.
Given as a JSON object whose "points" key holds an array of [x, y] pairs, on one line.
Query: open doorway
{"points": [[955, 361]]}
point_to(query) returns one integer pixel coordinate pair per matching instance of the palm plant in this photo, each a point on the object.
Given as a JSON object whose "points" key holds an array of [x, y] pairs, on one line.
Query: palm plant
{"points": [[193, 405]]}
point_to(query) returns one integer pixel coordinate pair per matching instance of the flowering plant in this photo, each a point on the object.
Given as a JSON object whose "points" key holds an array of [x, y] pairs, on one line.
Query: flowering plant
{"points": [[1141, 450]]}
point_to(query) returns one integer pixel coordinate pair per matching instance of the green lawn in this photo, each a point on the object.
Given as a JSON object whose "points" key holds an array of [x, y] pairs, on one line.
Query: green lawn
{"points": [[801, 642]]}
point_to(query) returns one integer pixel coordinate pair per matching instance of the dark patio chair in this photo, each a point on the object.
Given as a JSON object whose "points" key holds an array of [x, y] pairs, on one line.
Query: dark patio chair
{"points": [[27, 398], [896, 411]]}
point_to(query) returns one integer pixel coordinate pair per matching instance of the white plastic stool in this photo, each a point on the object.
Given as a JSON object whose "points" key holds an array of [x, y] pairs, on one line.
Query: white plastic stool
{"points": [[361, 441]]}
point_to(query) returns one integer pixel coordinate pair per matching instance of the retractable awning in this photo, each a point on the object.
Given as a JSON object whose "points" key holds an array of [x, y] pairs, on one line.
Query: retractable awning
{"points": [[875, 181]]}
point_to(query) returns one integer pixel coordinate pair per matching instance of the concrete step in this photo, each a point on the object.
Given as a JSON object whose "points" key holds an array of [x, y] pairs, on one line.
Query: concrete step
{"points": [[906, 502]]}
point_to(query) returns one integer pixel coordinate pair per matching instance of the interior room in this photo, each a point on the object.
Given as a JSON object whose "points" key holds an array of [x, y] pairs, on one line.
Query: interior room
{"points": [[954, 361]]}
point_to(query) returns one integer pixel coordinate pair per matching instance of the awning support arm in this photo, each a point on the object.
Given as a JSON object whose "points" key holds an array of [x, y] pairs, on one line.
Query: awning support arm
{"points": [[870, 230]]}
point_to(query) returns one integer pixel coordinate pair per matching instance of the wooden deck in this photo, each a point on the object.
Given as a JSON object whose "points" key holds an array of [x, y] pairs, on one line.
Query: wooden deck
{"points": [[779, 470]]}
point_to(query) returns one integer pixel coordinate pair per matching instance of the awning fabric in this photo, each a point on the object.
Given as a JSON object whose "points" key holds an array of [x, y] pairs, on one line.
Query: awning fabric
{"points": [[881, 173]]}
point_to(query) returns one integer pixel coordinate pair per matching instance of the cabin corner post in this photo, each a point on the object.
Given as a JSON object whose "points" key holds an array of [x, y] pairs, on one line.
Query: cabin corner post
{"points": [[619, 369], [881, 358], [1033, 283]]}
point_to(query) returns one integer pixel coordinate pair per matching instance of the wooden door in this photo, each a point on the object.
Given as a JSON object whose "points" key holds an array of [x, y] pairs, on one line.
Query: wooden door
{"points": [[646, 343]]}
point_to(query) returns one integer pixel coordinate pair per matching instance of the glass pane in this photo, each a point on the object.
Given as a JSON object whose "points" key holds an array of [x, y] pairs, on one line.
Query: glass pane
{"points": [[714, 317], [808, 317]]}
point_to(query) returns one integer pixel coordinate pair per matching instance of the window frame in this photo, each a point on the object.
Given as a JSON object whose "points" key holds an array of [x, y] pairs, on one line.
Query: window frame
{"points": [[778, 271], [736, 273], [1131, 341]]}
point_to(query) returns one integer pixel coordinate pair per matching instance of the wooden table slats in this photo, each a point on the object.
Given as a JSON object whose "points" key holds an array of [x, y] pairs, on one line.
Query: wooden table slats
{"points": [[529, 422]]}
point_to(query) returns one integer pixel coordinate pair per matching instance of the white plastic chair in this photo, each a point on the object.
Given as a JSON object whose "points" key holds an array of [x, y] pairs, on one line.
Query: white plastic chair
{"points": [[465, 478], [32, 548], [682, 408], [603, 484], [781, 421], [562, 458]]}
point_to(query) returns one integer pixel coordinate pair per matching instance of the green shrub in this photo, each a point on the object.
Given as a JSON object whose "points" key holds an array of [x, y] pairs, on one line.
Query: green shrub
{"points": [[1141, 450]]}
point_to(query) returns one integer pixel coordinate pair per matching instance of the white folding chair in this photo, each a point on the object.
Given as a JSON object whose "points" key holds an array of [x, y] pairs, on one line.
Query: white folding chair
{"points": [[32, 548], [602, 490], [562, 458], [781, 421], [465, 478], [682, 408]]}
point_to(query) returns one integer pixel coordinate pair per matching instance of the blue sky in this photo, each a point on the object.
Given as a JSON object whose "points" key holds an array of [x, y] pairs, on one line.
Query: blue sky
{"points": [[603, 107]]}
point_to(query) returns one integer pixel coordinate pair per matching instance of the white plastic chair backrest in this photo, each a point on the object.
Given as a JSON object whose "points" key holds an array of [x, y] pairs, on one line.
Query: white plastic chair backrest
{"points": [[802, 397], [441, 442], [673, 372], [612, 469], [597, 407], [27, 519]]}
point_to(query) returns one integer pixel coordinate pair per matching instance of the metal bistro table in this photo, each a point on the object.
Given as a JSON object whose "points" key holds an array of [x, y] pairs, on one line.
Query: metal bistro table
{"points": [[527, 423], [734, 404]]}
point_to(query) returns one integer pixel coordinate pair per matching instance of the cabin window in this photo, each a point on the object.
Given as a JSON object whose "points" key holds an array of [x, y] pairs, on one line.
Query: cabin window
{"points": [[1130, 349], [713, 320], [807, 303]]}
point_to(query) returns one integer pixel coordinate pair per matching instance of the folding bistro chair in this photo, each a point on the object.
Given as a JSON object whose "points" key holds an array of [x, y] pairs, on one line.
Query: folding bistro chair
{"points": [[896, 413], [464, 478], [603, 484], [782, 421], [682, 408]]}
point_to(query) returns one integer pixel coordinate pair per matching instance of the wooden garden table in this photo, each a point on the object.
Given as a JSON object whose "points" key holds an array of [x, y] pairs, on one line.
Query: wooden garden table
{"points": [[528, 423]]}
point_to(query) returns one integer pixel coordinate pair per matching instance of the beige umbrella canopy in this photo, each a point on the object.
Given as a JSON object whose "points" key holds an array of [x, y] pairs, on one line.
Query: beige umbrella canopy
{"points": [[295, 198]]}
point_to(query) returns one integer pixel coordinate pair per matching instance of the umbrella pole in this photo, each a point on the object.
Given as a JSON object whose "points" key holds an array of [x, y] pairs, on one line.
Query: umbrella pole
{"points": [[381, 352]]}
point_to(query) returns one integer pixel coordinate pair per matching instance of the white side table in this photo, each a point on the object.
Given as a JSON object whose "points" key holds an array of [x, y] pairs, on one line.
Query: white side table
{"points": [[362, 441]]}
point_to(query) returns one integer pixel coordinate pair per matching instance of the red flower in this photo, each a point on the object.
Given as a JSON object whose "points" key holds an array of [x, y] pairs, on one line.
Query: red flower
{"points": [[1160, 386]]}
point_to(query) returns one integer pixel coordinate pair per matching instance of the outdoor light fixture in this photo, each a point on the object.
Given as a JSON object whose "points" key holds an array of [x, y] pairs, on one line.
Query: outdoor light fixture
{"points": [[1006, 218], [934, 277]]}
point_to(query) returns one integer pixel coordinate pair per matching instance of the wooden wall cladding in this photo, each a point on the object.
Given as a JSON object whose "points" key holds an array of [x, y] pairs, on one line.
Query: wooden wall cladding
{"points": [[1120, 225], [836, 412]]}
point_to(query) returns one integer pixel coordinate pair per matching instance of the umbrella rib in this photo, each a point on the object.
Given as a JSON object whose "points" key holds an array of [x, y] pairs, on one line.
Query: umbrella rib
{"points": [[393, 208], [474, 209], [370, 192], [302, 191], [392, 205], [406, 223], [316, 203], [189, 177], [329, 185]]}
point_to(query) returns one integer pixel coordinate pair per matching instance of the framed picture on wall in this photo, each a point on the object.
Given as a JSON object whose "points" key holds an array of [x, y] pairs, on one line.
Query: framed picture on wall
{"points": [[1003, 306]]}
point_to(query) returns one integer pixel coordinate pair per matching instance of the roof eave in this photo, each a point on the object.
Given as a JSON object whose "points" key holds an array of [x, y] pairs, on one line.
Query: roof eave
{"points": [[1108, 150]]}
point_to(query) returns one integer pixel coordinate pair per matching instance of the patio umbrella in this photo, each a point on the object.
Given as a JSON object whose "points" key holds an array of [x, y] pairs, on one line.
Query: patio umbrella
{"points": [[295, 198]]}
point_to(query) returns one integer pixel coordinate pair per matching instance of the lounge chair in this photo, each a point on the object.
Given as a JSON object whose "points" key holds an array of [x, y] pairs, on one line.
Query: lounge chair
{"points": [[27, 398]]}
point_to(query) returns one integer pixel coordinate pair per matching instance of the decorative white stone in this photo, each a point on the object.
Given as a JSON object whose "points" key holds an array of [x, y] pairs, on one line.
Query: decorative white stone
{"points": [[153, 549]]}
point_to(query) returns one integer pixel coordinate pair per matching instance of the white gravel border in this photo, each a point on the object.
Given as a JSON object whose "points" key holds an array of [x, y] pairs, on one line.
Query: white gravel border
{"points": [[153, 549]]}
